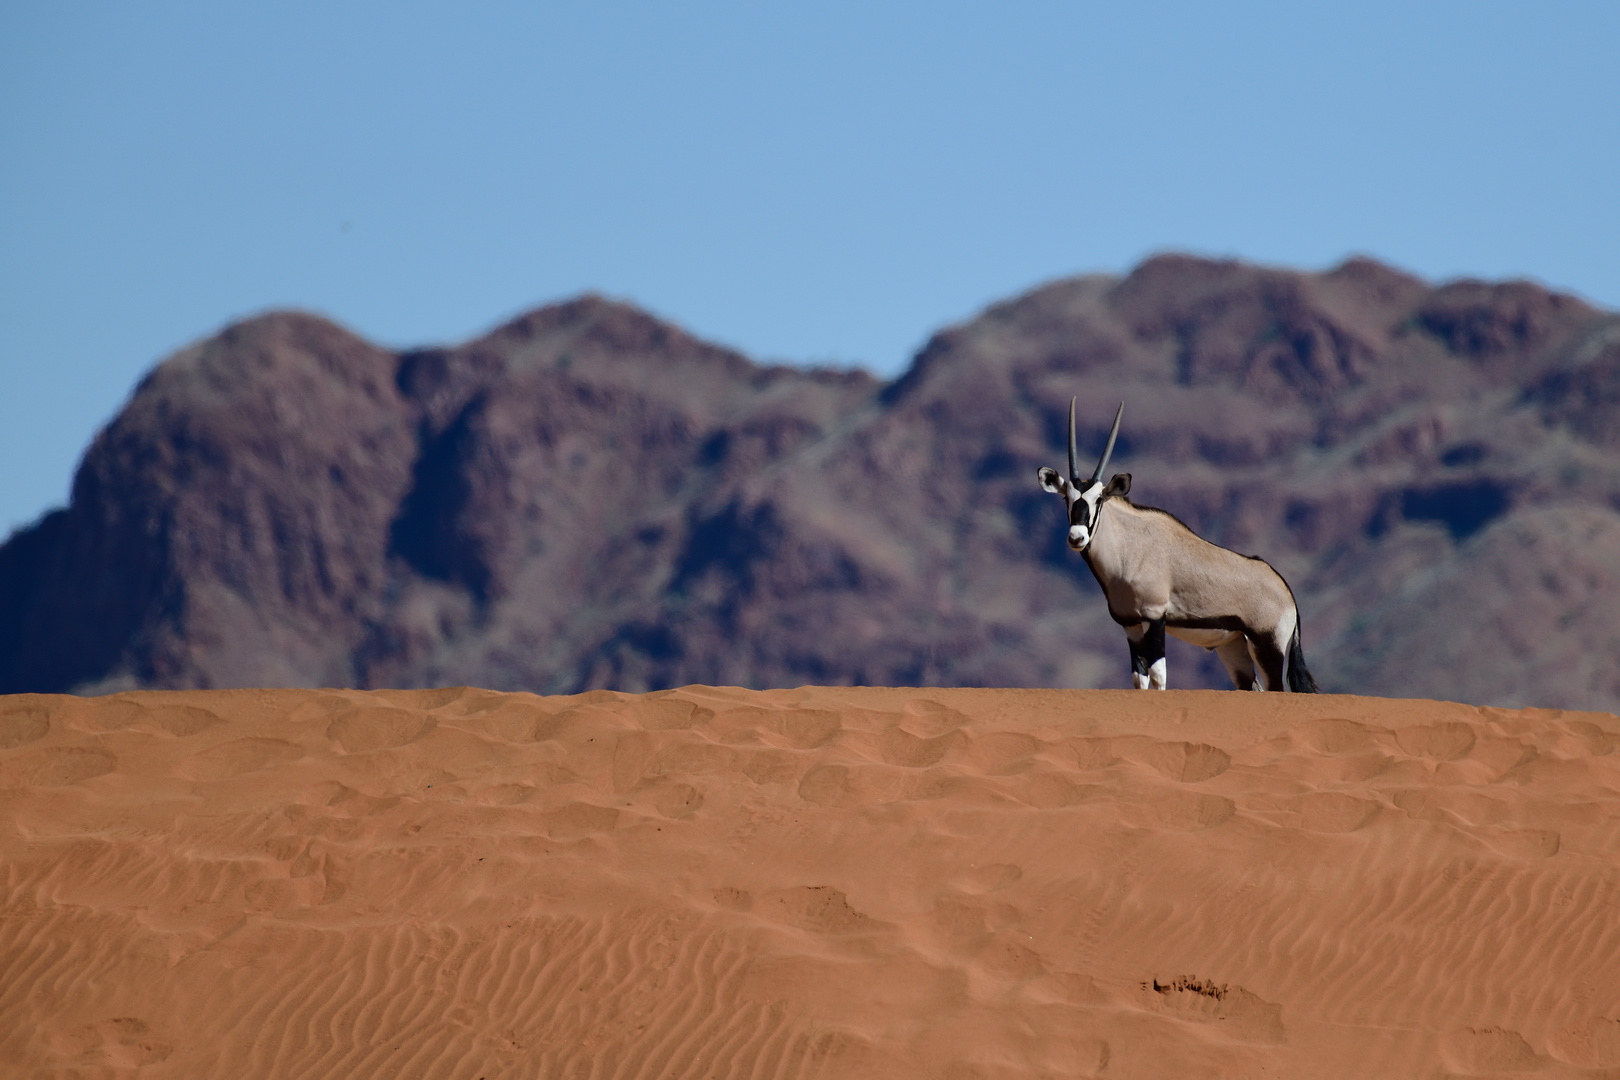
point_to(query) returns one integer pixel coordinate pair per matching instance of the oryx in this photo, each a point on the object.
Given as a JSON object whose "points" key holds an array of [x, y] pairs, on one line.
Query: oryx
{"points": [[1158, 576]]}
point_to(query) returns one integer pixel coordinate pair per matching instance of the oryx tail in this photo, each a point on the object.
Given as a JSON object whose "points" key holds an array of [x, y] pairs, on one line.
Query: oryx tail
{"points": [[1299, 677]]}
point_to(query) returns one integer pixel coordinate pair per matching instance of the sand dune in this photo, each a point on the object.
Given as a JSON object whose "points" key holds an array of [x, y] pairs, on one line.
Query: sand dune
{"points": [[822, 882]]}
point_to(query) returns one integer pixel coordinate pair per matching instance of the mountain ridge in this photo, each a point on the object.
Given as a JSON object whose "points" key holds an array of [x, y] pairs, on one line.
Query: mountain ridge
{"points": [[587, 496]]}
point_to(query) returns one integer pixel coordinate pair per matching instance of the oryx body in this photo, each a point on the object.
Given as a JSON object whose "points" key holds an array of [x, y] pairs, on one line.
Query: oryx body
{"points": [[1160, 577]]}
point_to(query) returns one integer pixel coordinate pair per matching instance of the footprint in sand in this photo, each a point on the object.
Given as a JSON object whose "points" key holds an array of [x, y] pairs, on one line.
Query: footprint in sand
{"points": [[632, 754], [960, 922], [120, 714], [57, 767], [733, 899], [1502, 755], [1093, 753], [285, 848], [1353, 767], [124, 1042], [820, 908], [1333, 811], [502, 794], [929, 718], [677, 801], [1237, 1012], [1450, 805], [1002, 752], [578, 820], [807, 729], [1010, 959], [828, 785], [183, 721], [769, 766], [899, 747], [801, 729], [513, 722], [1581, 739], [1185, 763], [239, 757], [1594, 1043], [1180, 811], [659, 713], [1335, 736], [693, 757], [1438, 742], [359, 730], [1486, 1050], [1054, 791], [22, 726]]}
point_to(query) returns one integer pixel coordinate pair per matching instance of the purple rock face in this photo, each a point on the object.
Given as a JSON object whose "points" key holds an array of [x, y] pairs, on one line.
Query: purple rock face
{"points": [[588, 497]]}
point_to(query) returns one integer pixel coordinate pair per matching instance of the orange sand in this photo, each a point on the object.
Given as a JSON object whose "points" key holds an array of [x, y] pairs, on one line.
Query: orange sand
{"points": [[818, 882]]}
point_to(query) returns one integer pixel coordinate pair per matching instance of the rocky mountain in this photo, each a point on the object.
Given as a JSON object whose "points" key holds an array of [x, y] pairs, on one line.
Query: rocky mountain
{"points": [[588, 497]]}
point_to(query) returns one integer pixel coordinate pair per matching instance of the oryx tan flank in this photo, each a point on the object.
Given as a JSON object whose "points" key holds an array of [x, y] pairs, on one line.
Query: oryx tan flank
{"points": [[1159, 576]]}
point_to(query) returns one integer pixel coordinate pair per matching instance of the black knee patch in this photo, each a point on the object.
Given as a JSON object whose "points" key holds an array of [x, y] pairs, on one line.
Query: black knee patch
{"points": [[1151, 649]]}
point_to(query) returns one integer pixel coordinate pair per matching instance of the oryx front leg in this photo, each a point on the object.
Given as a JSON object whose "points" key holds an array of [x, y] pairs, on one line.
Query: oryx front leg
{"points": [[1147, 654]]}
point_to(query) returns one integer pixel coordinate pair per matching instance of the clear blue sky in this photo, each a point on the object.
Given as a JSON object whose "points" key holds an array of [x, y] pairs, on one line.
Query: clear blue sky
{"points": [[822, 182]]}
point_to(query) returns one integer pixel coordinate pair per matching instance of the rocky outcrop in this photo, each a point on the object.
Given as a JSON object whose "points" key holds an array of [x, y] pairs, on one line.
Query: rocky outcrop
{"points": [[589, 497]]}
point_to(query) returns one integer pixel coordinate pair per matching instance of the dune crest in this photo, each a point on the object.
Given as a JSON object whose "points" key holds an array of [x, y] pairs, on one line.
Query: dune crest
{"points": [[820, 882]]}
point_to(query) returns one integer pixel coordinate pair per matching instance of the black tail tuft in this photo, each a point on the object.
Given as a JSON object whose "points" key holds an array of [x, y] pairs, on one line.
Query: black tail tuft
{"points": [[1299, 678]]}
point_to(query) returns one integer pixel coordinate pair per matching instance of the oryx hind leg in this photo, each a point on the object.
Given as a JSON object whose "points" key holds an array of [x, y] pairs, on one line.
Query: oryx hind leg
{"points": [[1271, 657], [1239, 664], [1147, 654]]}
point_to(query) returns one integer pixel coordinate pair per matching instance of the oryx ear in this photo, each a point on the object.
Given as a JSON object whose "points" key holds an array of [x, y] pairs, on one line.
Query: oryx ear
{"points": [[1119, 485], [1051, 480]]}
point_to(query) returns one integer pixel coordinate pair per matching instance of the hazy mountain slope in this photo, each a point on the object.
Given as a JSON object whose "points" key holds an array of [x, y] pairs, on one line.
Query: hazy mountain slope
{"points": [[588, 497]]}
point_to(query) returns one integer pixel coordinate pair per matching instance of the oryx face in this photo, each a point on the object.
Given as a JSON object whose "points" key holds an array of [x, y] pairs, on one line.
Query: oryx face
{"points": [[1084, 501], [1084, 498]]}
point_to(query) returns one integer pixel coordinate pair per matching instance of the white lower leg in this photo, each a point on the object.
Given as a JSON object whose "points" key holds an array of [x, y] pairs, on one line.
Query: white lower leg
{"points": [[1156, 674]]}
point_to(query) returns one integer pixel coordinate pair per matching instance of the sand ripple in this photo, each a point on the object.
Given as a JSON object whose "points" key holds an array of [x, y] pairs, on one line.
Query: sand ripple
{"points": [[811, 883]]}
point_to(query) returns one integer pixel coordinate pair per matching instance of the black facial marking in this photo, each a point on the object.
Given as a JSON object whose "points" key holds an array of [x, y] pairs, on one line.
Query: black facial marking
{"points": [[1080, 513]]}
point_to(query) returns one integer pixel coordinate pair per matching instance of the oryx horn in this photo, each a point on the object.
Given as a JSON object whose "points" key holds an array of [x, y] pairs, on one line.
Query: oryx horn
{"points": [[1074, 450], [1108, 451]]}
